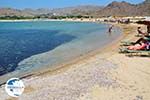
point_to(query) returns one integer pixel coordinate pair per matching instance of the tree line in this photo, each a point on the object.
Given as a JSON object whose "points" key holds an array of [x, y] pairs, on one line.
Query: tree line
{"points": [[42, 17]]}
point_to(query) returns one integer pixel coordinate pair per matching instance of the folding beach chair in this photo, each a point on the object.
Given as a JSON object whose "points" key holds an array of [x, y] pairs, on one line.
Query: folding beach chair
{"points": [[134, 52], [138, 53], [126, 43], [138, 35]]}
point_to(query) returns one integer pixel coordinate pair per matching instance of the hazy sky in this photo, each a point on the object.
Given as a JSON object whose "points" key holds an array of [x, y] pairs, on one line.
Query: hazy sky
{"points": [[55, 3]]}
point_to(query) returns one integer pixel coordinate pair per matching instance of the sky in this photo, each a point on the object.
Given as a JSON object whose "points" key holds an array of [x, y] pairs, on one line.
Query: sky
{"points": [[34, 4]]}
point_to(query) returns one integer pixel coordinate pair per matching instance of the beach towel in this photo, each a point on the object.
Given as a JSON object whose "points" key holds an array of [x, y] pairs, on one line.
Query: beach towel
{"points": [[138, 46]]}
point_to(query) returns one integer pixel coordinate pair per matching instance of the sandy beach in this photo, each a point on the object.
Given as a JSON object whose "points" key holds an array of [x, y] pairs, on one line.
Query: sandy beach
{"points": [[104, 75]]}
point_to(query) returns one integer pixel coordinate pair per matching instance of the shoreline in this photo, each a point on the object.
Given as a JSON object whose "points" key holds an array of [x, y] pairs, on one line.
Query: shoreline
{"points": [[34, 20], [82, 58]]}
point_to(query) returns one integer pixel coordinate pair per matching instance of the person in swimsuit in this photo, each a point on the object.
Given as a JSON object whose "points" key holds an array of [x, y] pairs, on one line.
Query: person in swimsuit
{"points": [[110, 29], [140, 46]]}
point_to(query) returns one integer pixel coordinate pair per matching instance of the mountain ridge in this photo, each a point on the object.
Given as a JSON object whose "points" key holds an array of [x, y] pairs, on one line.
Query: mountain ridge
{"points": [[113, 9]]}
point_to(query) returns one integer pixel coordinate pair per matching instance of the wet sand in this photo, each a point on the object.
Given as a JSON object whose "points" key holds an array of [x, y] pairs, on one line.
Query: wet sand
{"points": [[103, 75]]}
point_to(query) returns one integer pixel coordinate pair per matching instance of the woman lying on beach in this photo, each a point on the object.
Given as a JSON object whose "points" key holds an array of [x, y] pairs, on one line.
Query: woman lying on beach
{"points": [[142, 45]]}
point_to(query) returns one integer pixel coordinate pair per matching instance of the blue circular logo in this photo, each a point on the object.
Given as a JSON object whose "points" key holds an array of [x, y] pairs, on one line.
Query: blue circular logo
{"points": [[14, 87]]}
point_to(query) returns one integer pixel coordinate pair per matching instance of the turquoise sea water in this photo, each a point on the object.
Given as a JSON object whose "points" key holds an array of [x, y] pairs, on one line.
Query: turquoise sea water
{"points": [[28, 46]]}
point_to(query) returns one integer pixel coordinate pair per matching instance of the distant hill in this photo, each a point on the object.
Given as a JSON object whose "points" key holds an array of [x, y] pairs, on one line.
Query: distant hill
{"points": [[113, 9], [117, 9], [13, 12], [125, 9], [78, 10], [144, 8], [37, 11]]}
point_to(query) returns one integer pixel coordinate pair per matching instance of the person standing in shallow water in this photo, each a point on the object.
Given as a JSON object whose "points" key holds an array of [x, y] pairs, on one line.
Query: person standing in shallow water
{"points": [[110, 29]]}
